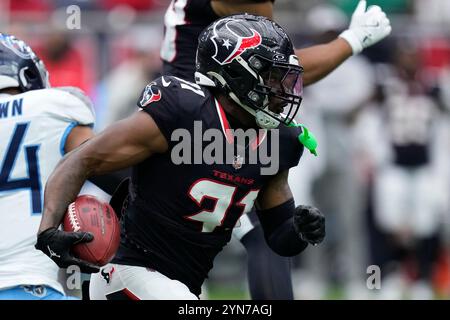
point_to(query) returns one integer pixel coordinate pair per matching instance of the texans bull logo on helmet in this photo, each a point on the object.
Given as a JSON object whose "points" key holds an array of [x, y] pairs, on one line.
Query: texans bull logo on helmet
{"points": [[232, 45], [149, 96]]}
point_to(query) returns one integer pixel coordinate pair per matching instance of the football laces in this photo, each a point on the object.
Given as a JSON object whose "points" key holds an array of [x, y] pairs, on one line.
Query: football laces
{"points": [[73, 218]]}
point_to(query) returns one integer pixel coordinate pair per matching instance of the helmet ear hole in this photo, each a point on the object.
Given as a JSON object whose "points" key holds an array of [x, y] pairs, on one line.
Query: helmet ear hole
{"points": [[232, 73], [256, 64], [30, 75]]}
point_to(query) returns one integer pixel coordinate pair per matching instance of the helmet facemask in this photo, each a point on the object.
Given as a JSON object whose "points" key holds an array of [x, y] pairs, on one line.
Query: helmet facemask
{"points": [[282, 87], [275, 95]]}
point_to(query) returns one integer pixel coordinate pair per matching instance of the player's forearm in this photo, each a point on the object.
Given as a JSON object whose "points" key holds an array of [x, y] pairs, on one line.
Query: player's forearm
{"points": [[318, 61], [62, 188], [279, 231]]}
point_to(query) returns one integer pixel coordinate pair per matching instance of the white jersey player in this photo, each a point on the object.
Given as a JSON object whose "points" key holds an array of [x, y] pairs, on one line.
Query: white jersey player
{"points": [[38, 125]]}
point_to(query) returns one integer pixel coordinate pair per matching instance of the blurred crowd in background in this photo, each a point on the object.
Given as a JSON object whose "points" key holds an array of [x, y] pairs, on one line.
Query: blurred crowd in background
{"points": [[382, 120]]}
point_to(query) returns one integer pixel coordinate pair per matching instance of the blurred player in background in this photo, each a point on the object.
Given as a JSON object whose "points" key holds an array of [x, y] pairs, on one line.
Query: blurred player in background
{"points": [[268, 273], [38, 125], [407, 137]]}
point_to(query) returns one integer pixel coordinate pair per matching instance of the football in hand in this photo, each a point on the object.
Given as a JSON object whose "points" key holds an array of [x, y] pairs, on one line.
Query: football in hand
{"points": [[89, 214]]}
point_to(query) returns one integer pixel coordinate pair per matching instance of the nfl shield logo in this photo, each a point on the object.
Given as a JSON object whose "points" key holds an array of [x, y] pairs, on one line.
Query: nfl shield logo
{"points": [[237, 162]]}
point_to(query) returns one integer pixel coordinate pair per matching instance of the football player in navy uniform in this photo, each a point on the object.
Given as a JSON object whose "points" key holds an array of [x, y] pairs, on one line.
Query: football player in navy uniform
{"points": [[268, 274], [177, 217]]}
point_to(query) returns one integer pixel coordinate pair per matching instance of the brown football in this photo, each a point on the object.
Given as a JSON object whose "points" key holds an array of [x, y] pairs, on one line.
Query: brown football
{"points": [[89, 214]]}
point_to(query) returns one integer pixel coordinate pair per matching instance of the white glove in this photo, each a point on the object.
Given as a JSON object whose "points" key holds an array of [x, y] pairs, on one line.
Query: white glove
{"points": [[366, 27]]}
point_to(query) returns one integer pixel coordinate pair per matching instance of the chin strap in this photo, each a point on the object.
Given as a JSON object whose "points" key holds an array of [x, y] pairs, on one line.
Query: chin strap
{"points": [[263, 120], [306, 138]]}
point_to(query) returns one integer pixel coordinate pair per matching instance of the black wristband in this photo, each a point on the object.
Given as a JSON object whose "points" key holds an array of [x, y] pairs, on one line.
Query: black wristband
{"points": [[279, 230]]}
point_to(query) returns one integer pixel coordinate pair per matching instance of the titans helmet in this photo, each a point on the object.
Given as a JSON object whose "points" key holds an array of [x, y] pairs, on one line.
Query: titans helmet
{"points": [[19, 66], [251, 59]]}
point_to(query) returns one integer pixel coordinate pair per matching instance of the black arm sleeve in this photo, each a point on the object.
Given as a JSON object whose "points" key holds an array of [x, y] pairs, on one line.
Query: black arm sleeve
{"points": [[279, 231]]}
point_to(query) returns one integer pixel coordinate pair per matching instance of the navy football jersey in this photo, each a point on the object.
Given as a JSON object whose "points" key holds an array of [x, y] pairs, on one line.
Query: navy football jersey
{"points": [[183, 22], [178, 215], [410, 115]]}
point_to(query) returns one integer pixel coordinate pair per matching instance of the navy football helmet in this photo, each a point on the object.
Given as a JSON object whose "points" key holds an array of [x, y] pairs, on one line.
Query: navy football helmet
{"points": [[252, 60], [19, 66]]}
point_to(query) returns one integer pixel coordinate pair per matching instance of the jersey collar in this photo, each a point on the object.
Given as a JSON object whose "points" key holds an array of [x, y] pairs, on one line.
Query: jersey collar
{"points": [[225, 125]]}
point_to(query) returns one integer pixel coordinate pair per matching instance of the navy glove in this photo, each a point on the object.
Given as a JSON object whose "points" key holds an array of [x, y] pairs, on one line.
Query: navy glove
{"points": [[309, 223], [57, 244]]}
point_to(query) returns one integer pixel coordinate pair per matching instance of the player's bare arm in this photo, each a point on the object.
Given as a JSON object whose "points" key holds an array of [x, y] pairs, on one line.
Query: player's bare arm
{"points": [[78, 136], [122, 145], [287, 229], [318, 61], [367, 27], [276, 192]]}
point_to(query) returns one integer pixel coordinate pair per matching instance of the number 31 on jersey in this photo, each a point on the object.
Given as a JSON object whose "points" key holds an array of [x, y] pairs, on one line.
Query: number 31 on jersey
{"points": [[223, 195]]}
